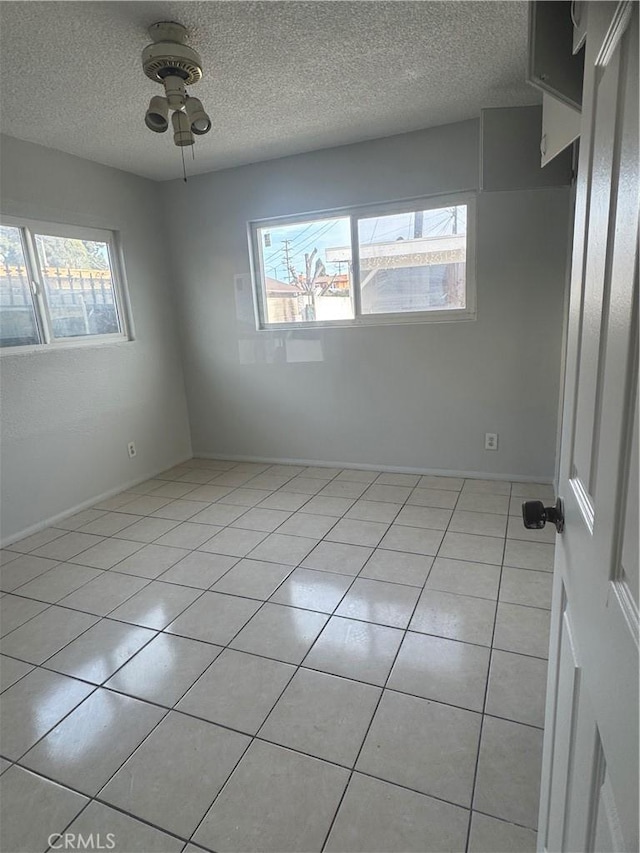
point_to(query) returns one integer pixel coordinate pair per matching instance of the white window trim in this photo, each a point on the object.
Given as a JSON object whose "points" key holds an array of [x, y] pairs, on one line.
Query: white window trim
{"points": [[355, 213], [29, 228]]}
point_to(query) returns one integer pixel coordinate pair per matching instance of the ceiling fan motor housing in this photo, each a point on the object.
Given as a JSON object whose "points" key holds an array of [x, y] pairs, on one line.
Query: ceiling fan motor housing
{"points": [[169, 56]]}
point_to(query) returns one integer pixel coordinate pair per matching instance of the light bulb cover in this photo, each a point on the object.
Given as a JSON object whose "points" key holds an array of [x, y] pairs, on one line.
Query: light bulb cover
{"points": [[181, 129], [157, 116], [198, 119]]}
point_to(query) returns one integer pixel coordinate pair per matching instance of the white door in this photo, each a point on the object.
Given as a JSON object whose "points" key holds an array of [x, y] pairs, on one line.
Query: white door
{"points": [[589, 799]]}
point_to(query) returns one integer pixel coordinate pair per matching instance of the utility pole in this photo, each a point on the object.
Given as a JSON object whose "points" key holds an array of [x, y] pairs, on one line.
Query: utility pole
{"points": [[287, 261], [418, 223]]}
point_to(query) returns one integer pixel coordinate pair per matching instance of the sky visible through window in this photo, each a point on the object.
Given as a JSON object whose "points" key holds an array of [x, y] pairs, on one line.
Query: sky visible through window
{"points": [[294, 241]]}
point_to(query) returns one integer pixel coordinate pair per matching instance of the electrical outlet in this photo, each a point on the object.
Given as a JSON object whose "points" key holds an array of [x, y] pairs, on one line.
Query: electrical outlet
{"points": [[491, 441], [131, 449]]}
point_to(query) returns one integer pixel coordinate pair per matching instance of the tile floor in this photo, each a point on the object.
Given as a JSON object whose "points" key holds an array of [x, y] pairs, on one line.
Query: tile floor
{"points": [[244, 657]]}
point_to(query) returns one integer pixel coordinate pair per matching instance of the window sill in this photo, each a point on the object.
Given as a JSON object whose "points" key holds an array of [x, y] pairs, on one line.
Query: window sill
{"points": [[32, 349], [368, 320]]}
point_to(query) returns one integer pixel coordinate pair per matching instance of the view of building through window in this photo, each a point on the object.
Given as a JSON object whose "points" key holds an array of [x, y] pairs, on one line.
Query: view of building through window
{"points": [[412, 261]]}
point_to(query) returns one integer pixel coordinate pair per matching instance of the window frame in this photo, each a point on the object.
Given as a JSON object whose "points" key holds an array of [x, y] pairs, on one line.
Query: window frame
{"points": [[355, 214], [31, 228]]}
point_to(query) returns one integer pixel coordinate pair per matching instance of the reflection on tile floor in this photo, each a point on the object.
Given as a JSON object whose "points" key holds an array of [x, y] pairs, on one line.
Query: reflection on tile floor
{"points": [[252, 657]]}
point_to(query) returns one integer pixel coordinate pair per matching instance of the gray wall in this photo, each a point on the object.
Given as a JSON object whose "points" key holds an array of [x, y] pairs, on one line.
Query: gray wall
{"points": [[68, 414], [414, 396]]}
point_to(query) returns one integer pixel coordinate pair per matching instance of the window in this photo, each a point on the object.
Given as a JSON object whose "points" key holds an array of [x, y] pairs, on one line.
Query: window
{"points": [[58, 284], [410, 262]]}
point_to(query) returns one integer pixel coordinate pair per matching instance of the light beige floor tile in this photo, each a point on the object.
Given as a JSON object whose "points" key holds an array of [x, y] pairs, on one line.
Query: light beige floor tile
{"points": [[522, 586], [533, 491], [253, 579], [335, 507], [38, 540], [479, 523], [346, 489], [110, 523], [62, 580], [479, 502], [529, 555], [456, 617], [75, 522], [356, 475], [32, 809], [156, 605], [118, 501], [6, 556], [234, 478], [4, 765], [67, 546], [147, 530], [173, 490], [15, 611], [377, 817], [11, 671], [492, 487], [423, 745], [321, 473], [197, 476], [266, 520], [279, 548], [266, 483], [148, 486], [276, 800], [188, 535], [430, 481], [107, 554], [199, 569], [238, 690], [35, 705], [129, 835], [146, 504], [104, 594], [376, 601], [164, 669], [509, 766], [489, 835], [391, 479], [180, 510], [322, 715], [415, 540], [517, 688], [233, 543], [307, 524], [219, 514], [397, 567], [304, 485], [337, 557], [424, 516], [517, 530], [151, 561], [214, 618], [89, 745], [352, 531], [312, 590], [466, 546], [363, 510], [388, 494], [23, 569], [190, 749], [46, 634], [444, 670], [282, 633], [100, 651], [464, 578], [284, 500], [439, 498], [210, 492], [359, 650], [521, 629]]}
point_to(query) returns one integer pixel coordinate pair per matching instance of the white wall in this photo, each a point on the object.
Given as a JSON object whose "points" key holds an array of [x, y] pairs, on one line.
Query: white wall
{"points": [[68, 414], [416, 396]]}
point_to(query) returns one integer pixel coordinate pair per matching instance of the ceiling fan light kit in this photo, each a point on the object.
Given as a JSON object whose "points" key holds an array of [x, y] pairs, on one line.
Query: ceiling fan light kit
{"points": [[172, 63]]}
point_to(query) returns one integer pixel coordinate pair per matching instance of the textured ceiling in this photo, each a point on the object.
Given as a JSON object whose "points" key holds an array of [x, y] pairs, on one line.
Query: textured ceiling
{"points": [[280, 77]]}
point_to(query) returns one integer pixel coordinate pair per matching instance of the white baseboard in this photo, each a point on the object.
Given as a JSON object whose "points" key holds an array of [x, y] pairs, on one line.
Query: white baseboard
{"points": [[388, 469], [51, 521]]}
